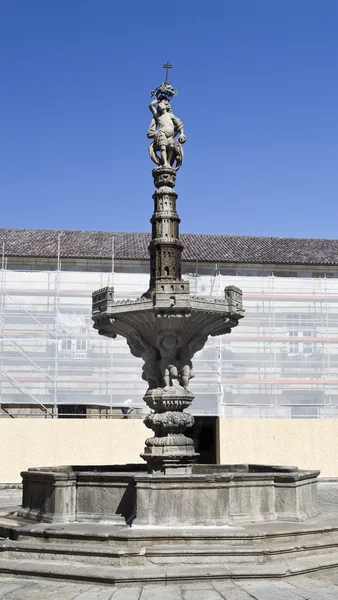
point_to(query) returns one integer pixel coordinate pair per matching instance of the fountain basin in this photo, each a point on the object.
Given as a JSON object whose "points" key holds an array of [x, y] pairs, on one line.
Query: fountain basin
{"points": [[210, 495]]}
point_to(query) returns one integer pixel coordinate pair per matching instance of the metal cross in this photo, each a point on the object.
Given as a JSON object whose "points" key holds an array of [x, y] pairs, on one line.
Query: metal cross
{"points": [[167, 66]]}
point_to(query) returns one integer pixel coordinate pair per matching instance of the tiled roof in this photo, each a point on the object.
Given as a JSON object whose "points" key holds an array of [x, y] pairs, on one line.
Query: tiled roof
{"points": [[201, 247]]}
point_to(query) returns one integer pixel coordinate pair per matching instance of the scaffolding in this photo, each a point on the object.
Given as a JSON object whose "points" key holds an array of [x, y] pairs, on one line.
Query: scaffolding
{"points": [[281, 361]]}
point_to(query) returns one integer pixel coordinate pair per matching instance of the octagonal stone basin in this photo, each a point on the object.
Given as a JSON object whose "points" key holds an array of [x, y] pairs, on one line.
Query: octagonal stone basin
{"points": [[222, 495]]}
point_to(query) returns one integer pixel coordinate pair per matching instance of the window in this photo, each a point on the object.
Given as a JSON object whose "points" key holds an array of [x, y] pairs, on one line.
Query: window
{"points": [[300, 326], [298, 345], [304, 412], [66, 344], [303, 403], [75, 347], [285, 273], [294, 345], [300, 321], [82, 344], [308, 346]]}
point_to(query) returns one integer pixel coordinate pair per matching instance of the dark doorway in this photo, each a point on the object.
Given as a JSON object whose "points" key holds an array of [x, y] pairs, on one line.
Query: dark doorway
{"points": [[203, 433], [71, 411]]}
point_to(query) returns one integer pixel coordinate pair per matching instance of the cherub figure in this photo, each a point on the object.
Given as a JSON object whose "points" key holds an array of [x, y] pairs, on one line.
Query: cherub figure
{"points": [[186, 370], [163, 129], [151, 371], [169, 364]]}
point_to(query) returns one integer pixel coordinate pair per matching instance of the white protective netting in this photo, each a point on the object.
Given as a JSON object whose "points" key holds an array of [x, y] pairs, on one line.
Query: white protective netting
{"points": [[281, 361]]}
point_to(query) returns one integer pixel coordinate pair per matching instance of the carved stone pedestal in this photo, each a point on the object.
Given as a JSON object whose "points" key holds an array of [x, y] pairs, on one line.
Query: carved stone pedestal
{"points": [[170, 450]]}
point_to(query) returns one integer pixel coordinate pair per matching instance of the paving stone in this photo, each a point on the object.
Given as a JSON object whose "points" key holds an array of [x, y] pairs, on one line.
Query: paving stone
{"points": [[168, 592], [36, 591], [198, 594], [128, 594], [328, 575], [42, 590], [309, 581], [198, 585], [310, 591], [7, 586], [97, 593], [231, 591], [265, 590], [297, 591], [69, 591], [324, 594]]}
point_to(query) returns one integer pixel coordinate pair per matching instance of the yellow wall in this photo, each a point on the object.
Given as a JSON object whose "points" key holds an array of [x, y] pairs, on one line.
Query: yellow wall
{"points": [[47, 442], [306, 443]]}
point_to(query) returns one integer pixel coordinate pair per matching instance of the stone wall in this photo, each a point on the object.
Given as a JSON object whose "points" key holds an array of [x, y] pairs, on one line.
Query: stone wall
{"points": [[306, 443], [28, 443], [24, 443]]}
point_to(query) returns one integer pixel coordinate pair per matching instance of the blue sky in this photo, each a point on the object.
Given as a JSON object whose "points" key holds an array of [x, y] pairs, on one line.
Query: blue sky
{"points": [[258, 93]]}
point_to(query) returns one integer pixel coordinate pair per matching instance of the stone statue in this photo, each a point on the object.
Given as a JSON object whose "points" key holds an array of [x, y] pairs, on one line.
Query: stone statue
{"points": [[163, 130]]}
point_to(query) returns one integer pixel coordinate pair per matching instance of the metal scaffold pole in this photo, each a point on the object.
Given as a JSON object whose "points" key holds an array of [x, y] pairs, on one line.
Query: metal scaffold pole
{"points": [[220, 395], [112, 341], [56, 342], [2, 300], [327, 332]]}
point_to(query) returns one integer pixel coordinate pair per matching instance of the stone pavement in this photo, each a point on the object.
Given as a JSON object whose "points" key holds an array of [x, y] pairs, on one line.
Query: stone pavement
{"points": [[298, 588], [318, 586]]}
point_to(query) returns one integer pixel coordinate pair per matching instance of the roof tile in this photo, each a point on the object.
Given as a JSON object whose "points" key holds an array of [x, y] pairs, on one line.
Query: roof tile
{"points": [[134, 246]]}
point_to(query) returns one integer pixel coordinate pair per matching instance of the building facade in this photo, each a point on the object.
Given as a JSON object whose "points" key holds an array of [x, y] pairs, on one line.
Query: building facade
{"points": [[281, 361]]}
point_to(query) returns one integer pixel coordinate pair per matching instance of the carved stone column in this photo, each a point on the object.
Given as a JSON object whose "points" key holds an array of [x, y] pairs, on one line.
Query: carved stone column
{"points": [[165, 248], [170, 450]]}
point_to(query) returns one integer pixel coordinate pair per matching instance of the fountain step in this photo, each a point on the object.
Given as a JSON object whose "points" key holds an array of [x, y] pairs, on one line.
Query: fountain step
{"points": [[131, 576], [106, 534], [170, 554]]}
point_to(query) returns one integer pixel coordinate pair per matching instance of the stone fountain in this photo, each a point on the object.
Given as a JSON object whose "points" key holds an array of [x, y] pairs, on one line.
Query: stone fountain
{"points": [[166, 327]]}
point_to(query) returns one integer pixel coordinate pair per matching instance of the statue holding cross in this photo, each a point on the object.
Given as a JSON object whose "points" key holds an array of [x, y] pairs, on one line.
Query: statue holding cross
{"points": [[165, 90], [165, 150], [167, 66]]}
